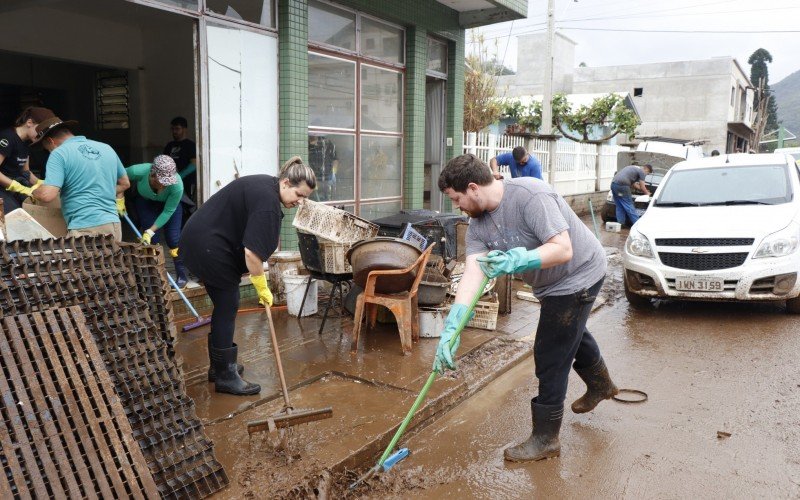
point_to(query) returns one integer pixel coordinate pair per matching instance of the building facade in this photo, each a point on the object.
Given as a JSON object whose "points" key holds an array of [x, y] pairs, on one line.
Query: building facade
{"points": [[370, 93], [709, 101]]}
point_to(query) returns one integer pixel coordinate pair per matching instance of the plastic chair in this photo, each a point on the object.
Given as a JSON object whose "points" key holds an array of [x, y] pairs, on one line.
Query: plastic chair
{"points": [[403, 305]]}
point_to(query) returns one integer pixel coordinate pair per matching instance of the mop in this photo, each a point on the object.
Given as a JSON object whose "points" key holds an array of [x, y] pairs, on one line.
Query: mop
{"points": [[288, 416], [201, 321], [389, 459]]}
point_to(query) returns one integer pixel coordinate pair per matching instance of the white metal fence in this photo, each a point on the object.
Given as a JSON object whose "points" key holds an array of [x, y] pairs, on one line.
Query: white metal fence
{"points": [[575, 163]]}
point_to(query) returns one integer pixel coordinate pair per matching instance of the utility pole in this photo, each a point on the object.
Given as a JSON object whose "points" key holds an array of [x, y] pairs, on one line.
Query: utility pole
{"points": [[547, 98]]}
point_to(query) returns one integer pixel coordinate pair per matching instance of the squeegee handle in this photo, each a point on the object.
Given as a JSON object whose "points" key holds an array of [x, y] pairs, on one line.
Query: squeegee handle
{"points": [[431, 378], [169, 277]]}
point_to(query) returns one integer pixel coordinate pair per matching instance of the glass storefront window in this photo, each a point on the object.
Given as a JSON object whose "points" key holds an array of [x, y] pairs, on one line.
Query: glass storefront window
{"points": [[332, 158], [381, 41], [378, 210], [381, 99], [183, 4], [259, 12], [331, 26], [331, 92], [381, 159], [437, 56]]}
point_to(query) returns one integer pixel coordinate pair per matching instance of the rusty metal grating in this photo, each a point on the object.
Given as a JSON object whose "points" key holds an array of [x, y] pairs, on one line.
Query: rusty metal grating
{"points": [[120, 289], [63, 429]]}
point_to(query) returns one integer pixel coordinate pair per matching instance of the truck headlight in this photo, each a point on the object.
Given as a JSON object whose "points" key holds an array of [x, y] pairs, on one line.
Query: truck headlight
{"points": [[637, 245], [779, 244]]}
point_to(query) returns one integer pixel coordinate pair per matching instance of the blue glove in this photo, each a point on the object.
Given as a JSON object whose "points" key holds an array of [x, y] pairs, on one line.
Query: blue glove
{"points": [[514, 261], [444, 353]]}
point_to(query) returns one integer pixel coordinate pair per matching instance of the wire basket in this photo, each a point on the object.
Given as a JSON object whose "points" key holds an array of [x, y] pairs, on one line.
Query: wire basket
{"points": [[332, 224], [485, 314], [333, 257]]}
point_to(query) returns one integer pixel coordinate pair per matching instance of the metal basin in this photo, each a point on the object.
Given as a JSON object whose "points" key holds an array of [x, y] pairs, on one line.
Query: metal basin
{"points": [[382, 253], [432, 289]]}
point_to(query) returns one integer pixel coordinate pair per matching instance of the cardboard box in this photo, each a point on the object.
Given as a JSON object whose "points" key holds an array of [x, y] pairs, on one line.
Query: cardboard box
{"points": [[48, 215]]}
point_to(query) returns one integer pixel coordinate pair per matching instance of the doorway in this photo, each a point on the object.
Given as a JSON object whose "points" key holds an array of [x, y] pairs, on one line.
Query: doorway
{"points": [[435, 116]]}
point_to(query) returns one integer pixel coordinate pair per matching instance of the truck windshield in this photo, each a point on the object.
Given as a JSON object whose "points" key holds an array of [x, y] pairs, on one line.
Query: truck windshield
{"points": [[735, 185]]}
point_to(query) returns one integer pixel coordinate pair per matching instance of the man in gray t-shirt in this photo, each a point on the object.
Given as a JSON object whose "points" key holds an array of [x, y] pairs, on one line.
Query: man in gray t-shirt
{"points": [[621, 184], [521, 226]]}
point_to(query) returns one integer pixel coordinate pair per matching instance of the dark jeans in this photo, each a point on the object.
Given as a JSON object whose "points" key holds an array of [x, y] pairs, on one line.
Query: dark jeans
{"points": [[561, 338], [623, 199], [149, 210], [223, 319]]}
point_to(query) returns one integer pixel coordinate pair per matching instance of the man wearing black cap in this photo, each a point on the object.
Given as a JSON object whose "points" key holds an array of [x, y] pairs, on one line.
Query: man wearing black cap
{"points": [[87, 174]]}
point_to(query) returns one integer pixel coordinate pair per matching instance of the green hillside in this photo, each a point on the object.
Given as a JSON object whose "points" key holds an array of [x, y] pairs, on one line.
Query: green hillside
{"points": [[787, 95]]}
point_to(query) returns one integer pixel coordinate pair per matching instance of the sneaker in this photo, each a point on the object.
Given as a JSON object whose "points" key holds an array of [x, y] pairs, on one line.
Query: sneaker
{"points": [[181, 282]]}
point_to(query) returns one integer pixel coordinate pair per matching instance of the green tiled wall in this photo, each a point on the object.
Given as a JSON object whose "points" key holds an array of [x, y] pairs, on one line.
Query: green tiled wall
{"points": [[293, 93], [414, 133]]}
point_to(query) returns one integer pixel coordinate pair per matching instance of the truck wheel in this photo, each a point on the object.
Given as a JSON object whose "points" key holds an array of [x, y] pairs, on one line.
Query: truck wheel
{"points": [[793, 306], [637, 301]]}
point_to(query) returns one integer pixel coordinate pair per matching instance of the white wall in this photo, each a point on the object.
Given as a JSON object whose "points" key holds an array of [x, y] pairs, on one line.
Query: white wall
{"points": [[532, 51]]}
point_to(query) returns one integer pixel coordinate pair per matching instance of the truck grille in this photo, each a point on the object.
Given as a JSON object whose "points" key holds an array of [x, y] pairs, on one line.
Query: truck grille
{"points": [[702, 262], [703, 242]]}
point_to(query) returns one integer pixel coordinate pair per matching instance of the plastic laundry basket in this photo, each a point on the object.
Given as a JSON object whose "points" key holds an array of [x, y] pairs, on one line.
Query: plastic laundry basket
{"points": [[294, 286]]}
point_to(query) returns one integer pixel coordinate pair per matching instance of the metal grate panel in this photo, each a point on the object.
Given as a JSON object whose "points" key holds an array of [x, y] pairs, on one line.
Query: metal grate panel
{"points": [[703, 242], [63, 429], [703, 261], [121, 290]]}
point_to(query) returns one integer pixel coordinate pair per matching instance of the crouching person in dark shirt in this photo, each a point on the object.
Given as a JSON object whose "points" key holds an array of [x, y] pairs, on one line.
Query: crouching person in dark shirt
{"points": [[234, 232]]}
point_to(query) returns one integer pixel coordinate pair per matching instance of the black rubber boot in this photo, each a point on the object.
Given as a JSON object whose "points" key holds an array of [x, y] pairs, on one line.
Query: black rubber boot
{"points": [[227, 379], [543, 442], [599, 386], [211, 373]]}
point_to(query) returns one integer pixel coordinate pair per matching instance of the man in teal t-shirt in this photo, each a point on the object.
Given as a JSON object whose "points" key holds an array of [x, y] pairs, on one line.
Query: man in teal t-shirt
{"points": [[87, 174]]}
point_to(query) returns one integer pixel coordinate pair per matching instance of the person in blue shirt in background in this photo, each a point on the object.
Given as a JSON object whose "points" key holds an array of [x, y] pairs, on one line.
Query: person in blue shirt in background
{"points": [[519, 161]]}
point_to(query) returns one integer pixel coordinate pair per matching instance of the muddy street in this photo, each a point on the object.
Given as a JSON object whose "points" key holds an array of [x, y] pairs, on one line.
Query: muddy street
{"points": [[722, 419]]}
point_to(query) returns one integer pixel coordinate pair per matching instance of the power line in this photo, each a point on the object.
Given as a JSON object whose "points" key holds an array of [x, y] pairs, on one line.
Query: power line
{"points": [[687, 14], [679, 31], [633, 14]]}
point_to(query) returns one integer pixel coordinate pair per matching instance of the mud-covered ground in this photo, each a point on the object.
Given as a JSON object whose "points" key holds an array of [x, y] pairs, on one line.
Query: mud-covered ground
{"points": [[722, 419]]}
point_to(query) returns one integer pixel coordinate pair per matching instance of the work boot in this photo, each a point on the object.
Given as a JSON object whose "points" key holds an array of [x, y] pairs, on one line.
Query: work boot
{"points": [[180, 273], [227, 378], [211, 373], [543, 442], [598, 387]]}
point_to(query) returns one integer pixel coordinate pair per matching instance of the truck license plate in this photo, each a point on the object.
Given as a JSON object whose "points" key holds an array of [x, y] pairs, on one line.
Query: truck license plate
{"points": [[693, 284]]}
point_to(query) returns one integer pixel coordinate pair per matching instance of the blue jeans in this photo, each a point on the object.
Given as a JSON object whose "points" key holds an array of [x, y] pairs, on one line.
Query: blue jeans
{"points": [[563, 342], [149, 210], [624, 202]]}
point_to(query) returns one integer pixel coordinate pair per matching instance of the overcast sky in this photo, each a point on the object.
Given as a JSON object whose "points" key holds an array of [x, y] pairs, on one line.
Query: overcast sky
{"points": [[604, 48]]}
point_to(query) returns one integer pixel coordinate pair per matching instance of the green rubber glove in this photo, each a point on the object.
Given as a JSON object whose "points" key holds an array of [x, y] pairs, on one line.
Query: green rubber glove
{"points": [[16, 187], [444, 353], [514, 261]]}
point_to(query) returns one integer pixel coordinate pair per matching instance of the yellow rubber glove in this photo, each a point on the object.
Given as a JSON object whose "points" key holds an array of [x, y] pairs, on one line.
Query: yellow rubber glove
{"points": [[147, 237], [121, 206], [37, 184], [260, 284], [173, 252], [16, 187]]}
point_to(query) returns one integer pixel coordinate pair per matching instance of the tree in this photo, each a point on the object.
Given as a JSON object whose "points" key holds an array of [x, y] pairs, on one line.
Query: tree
{"points": [[609, 110], [758, 69], [481, 108]]}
